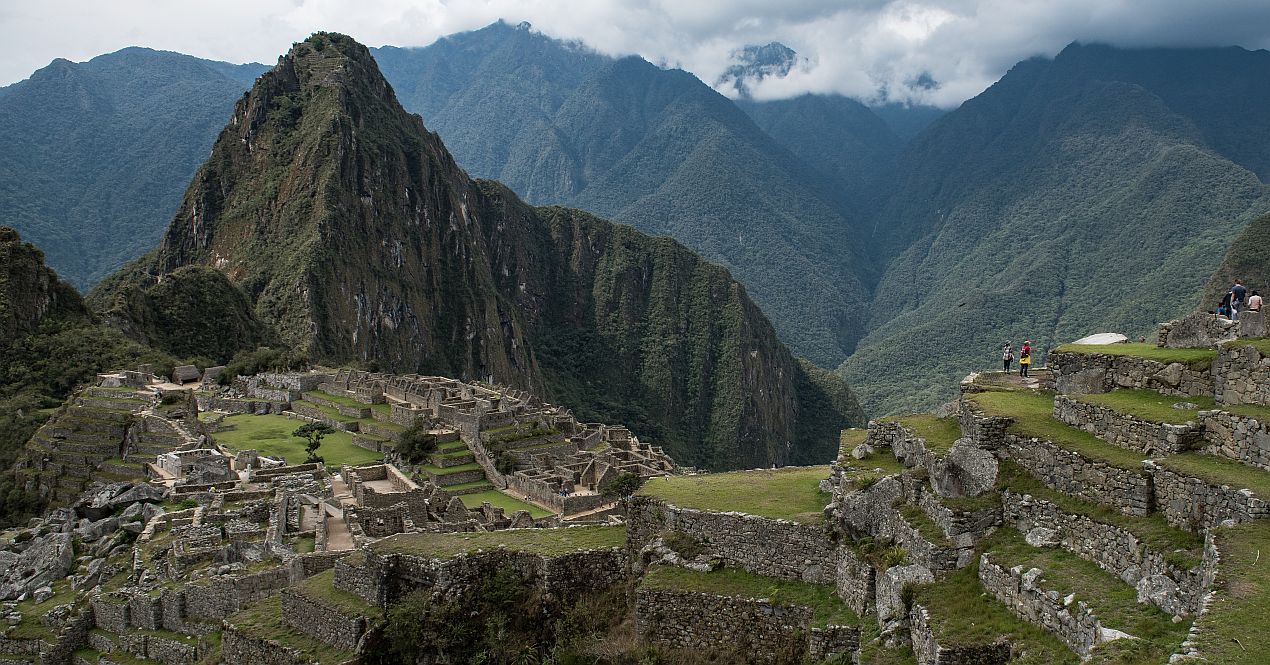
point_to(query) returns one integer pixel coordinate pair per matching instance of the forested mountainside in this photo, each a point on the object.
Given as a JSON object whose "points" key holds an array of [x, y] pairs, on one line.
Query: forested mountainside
{"points": [[1073, 196], [379, 249], [97, 153], [1248, 259], [49, 343], [654, 148]]}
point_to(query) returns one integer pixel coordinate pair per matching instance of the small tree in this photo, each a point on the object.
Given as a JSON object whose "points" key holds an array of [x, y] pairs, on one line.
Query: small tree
{"points": [[313, 433], [417, 442], [624, 484]]}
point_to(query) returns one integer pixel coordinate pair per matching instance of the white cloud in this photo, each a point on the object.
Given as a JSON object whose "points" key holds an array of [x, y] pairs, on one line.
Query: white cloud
{"points": [[862, 48]]}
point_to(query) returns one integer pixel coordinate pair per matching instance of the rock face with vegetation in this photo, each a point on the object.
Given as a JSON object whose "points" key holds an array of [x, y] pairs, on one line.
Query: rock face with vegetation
{"points": [[355, 237], [1248, 259]]}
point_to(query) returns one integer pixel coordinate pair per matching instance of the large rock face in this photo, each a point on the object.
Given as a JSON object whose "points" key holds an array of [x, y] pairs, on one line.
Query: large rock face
{"points": [[31, 293], [356, 238]]}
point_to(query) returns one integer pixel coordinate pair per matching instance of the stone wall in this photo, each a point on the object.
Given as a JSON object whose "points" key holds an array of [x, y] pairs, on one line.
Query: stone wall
{"points": [[1243, 376], [1194, 504], [757, 630], [1123, 430], [1241, 438], [856, 582], [1022, 592], [984, 431], [259, 407], [1084, 373], [929, 651], [771, 547], [1126, 490], [322, 622], [1115, 550], [242, 649]]}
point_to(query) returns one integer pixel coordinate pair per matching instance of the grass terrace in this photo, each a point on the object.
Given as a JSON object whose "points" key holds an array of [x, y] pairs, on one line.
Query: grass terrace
{"points": [[792, 493], [1219, 471], [509, 504], [1195, 358], [1182, 548], [1111, 600], [1150, 405], [961, 614], [1236, 628], [924, 525], [271, 435], [547, 542], [850, 438], [1033, 415], [322, 587], [827, 608], [264, 620], [31, 626], [940, 433], [1262, 344], [445, 471], [342, 400]]}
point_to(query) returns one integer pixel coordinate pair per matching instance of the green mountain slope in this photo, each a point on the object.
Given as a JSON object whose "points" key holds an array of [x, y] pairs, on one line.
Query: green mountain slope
{"points": [[657, 149], [356, 238], [1056, 204], [97, 153], [1248, 259]]}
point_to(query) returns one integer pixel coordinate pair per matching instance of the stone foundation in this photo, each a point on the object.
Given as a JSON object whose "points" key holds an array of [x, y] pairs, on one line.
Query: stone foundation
{"points": [[1126, 431]]}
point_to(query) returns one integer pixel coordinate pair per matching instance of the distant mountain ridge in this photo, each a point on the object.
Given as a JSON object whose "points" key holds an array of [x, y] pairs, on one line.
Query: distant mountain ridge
{"points": [[356, 238]]}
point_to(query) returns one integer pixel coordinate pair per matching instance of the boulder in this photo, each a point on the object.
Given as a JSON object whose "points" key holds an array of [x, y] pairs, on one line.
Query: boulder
{"points": [[139, 492], [94, 531], [1252, 324], [1102, 338], [967, 470], [47, 559], [96, 502], [1200, 329], [1042, 537], [891, 608]]}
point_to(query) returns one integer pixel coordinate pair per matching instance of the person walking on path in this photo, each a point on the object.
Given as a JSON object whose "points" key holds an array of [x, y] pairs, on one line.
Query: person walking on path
{"points": [[1007, 357], [1025, 358]]}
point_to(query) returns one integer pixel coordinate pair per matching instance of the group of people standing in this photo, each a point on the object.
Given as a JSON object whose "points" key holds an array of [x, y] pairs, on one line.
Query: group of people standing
{"points": [[1025, 357], [1237, 300]]}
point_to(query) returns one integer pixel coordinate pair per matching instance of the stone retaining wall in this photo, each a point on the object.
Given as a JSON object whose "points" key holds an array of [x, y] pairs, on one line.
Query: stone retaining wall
{"points": [[1242, 438], [241, 649], [929, 651], [757, 630], [1084, 373], [1115, 550], [856, 582], [321, 621], [1125, 431], [1022, 592], [984, 431], [1243, 376], [1194, 504], [771, 547], [1126, 490], [257, 407]]}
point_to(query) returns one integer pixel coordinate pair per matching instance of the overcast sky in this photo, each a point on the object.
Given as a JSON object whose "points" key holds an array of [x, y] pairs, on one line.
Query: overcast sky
{"points": [[861, 48]]}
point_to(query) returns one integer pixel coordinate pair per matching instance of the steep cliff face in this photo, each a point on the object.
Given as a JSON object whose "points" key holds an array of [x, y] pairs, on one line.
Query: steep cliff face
{"points": [[31, 293], [355, 236]]}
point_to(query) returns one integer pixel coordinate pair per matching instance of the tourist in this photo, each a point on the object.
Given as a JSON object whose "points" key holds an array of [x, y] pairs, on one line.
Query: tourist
{"points": [[1254, 302], [1239, 292], [1007, 357], [1224, 308], [1025, 358]]}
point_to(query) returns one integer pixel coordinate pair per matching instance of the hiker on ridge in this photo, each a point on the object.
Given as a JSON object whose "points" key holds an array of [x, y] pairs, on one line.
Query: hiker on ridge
{"points": [[1007, 357], [1025, 358]]}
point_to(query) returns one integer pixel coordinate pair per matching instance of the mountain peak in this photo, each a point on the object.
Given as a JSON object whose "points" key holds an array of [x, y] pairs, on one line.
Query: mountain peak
{"points": [[755, 63]]}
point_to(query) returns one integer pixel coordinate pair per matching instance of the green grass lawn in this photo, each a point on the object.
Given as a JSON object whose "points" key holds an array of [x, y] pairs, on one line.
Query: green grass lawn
{"points": [[509, 504], [1111, 600], [271, 435], [1220, 471], [342, 400], [1196, 358], [31, 627], [1150, 405], [445, 471], [1033, 415], [961, 614], [1182, 548], [790, 493], [940, 433], [1236, 628], [827, 609], [547, 542]]}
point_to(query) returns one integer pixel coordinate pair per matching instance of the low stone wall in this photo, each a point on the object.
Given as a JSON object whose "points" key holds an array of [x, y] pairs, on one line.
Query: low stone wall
{"points": [[855, 582], [1022, 593], [1084, 373], [1241, 438], [929, 651], [1115, 550], [1243, 375], [1194, 504], [242, 649], [257, 407], [1125, 431], [321, 621], [984, 431], [775, 548], [1126, 490], [228, 594], [755, 629]]}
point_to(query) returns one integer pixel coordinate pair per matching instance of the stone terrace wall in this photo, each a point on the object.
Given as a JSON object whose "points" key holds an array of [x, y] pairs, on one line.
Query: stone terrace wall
{"points": [[1126, 490], [1084, 373], [856, 582], [1115, 550], [1241, 438], [1192, 504], [986, 432], [321, 621], [1077, 627], [1243, 376], [241, 649], [1125, 431], [756, 629], [771, 547], [930, 652]]}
